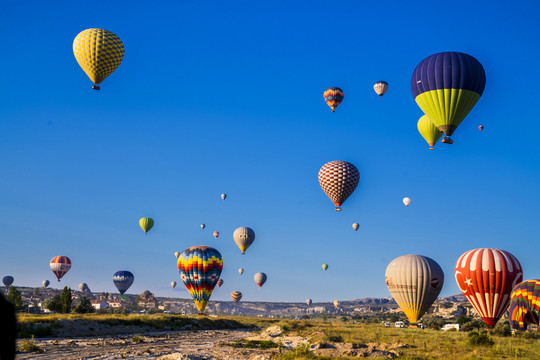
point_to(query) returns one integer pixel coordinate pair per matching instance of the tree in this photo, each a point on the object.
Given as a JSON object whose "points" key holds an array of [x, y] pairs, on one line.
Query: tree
{"points": [[55, 304], [463, 319], [84, 306], [66, 300], [14, 297]]}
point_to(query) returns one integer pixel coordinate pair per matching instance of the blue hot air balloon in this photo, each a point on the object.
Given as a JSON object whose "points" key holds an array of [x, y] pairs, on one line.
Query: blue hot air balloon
{"points": [[122, 280]]}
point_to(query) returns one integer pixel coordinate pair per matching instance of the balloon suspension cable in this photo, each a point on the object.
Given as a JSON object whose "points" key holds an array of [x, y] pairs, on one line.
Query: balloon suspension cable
{"points": [[96, 87]]}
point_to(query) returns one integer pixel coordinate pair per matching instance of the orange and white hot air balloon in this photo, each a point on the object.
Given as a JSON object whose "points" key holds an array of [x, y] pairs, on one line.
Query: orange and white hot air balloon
{"points": [[380, 87], [486, 277], [338, 179]]}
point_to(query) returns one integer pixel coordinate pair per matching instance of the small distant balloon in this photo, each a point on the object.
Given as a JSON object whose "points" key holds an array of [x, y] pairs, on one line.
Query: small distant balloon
{"points": [[355, 226], [177, 254], [146, 224], [46, 283], [325, 266], [223, 196], [203, 226], [240, 271], [481, 127], [216, 234], [60, 265], [308, 302], [236, 296], [333, 97], [244, 237], [84, 287], [8, 280], [173, 284], [337, 304], [220, 282], [380, 87], [407, 201], [260, 278]]}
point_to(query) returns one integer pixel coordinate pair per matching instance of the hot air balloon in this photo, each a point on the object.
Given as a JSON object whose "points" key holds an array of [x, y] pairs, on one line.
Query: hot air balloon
{"points": [[99, 52], [414, 281], [324, 266], [525, 304], [236, 296], [429, 131], [243, 237], [220, 282], [260, 278], [380, 87], [308, 302], [223, 196], [173, 284], [200, 268], [123, 279], [240, 271], [486, 277], [481, 127], [8, 280], [336, 304], [216, 234], [333, 97], [83, 287], [146, 224], [407, 201], [203, 226], [355, 226], [176, 254], [446, 86], [338, 179], [60, 265], [46, 283]]}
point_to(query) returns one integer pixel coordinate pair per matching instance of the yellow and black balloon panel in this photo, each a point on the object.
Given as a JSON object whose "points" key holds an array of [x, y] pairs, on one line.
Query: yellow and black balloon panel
{"points": [[99, 52], [333, 97]]}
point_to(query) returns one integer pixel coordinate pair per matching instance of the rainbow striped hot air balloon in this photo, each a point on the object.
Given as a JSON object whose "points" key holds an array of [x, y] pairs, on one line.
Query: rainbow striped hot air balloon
{"points": [[525, 304], [60, 265], [200, 268]]}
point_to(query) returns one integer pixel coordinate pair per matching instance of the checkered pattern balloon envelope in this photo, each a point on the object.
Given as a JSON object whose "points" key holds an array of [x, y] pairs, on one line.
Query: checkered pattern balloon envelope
{"points": [[486, 277], [200, 268], [99, 52], [333, 97], [60, 265], [338, 179], [525, 304]]}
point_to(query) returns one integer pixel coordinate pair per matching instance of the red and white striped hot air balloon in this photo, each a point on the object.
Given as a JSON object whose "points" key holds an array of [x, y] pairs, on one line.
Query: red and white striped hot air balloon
{"points": [[486, 277], [338, 179]]}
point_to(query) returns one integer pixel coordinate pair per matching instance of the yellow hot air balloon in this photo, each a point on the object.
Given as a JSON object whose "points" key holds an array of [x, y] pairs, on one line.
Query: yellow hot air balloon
{"points": [[429, 131], [146, 224], [99, 52]]}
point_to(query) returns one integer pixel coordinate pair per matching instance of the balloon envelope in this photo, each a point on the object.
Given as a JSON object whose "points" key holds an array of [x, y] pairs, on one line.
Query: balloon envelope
{"points": [[407, 201], [336, 304], [324, 266], [99, 52], [236, 296], [380, 87], [216, 234], [428, 130], [200, 268], [220, 282], [414, 281], [223, 196], [244, 237], [355, 226], [173, 284], [338, 179], [176, 254], [525, 304], [123, 279], [146, 224], [8, 280], [333, 97], [46, 283], [260, 278], [203, 226], [240, 271], [60, 265], [486, 277], [446, 86], [308, 302], [84, 287]]}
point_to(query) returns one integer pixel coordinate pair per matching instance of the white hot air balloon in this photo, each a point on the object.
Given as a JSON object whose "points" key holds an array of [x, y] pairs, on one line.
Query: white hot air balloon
{"points": [[173, 284], [260, 278], [308, 302], [240, 271], [337, 304], [355, 226], [203, 226], [223, 196], [380, 87], [407, 201], [177, 254], [243, 237]]}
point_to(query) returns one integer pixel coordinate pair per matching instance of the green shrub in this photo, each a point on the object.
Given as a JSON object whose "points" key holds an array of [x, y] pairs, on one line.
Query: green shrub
{"points": [[254, 344], [479, 339], [136, 340], [29, 346], [531, 335], [502, 329]]}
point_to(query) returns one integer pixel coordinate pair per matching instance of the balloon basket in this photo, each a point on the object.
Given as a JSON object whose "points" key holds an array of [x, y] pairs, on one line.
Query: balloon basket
{"points": [[96, 87], [338, 209]]}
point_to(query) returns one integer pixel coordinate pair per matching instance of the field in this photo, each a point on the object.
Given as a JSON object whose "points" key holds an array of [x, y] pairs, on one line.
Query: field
{"points": [[300, 339]]}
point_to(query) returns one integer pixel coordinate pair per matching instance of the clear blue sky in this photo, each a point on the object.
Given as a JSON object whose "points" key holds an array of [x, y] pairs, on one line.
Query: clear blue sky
{"points": [[216, 97]]}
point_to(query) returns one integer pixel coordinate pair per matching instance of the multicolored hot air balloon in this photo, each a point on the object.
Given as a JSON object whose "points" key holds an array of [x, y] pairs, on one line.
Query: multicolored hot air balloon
{"points": [[99, 52], [308, 302], [525, 304], [200, 268], [219, 282], [176, 254], [333, 97], [446, 86], [83, 287], [429, 131], [337, 304], [486, 277], [325, 266], [203, 226], [240, 271], [146, 224], [338, 179], [244, 237], [236, 296], [380, 87], [407, 201], [223, 196], [60, 265], [123, 279], [260, 278], [355, 226], [8, 280], [45, 283], [173, 284], [414, 281]]}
